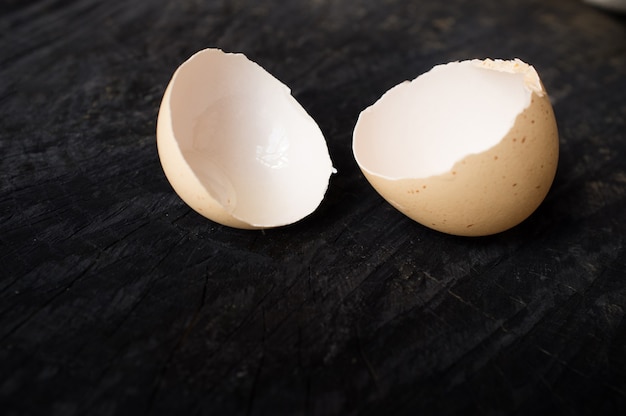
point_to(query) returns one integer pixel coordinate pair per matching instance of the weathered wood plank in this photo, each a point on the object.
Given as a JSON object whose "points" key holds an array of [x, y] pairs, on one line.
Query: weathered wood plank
{"points": [[116, 298]]}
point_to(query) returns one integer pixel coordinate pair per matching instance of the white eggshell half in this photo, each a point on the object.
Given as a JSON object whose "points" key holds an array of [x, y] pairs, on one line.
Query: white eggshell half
{"points": [[469, 148], [237, 147]]}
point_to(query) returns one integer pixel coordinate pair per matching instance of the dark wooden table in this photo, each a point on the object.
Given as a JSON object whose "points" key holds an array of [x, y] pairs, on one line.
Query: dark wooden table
{"points": [[117, 299]]}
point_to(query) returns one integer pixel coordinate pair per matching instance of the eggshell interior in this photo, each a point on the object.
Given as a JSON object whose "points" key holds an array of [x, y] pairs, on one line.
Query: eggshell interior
{"points": [[237, 147], [469, 148]]}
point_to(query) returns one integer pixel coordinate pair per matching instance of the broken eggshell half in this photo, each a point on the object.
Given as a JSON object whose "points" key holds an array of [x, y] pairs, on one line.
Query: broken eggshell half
{"points": [[469, 148], [237, 147]]}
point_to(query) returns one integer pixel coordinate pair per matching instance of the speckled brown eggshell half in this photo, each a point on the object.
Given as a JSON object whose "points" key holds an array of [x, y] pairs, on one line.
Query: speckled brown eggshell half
{"points": [[489, 192], [469, 148]]}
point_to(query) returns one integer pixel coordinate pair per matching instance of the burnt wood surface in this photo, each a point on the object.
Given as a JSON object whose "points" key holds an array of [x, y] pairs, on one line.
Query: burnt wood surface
{"points": [[118, 299]]}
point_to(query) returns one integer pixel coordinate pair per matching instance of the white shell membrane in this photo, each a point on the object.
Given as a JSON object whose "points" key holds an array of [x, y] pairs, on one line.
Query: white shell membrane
{"points": [[421, 128], [249, 143]]}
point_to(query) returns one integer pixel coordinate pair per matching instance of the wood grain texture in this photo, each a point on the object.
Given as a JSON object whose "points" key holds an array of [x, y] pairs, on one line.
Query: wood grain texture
{"points": [[116, 298]]}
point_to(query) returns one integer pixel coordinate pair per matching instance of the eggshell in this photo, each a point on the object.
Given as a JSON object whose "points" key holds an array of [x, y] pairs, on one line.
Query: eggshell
{"points": [[489, 154], [237, 147]]}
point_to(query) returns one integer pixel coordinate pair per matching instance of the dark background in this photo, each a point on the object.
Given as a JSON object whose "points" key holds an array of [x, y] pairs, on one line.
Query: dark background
{"points": [[117, 299]]}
